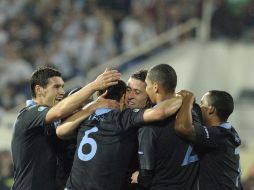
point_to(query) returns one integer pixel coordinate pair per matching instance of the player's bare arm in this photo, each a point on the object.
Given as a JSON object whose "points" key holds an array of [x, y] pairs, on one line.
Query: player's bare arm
{"points": [[67, 106], [183, 123], [163, 109], [68, 128]]}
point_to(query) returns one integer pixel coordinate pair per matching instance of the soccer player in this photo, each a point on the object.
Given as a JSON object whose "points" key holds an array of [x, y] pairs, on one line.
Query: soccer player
{"points": [[33, 140], [217, 140], [105, 141], [166, 160], [65, 150], [136, 97]]}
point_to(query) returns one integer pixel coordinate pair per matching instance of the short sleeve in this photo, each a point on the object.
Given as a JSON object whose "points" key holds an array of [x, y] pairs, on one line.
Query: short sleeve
{"points": [[35, 116], [127, 119]]}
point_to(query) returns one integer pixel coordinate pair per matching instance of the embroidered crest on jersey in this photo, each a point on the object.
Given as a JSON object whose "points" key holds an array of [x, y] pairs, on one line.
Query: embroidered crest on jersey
{"points": [[41, 108], [57, 123]]}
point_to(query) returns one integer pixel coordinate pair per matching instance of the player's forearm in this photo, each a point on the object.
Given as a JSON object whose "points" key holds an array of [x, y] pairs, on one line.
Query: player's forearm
{"points": [[163, 110], [71, 103], [183, 123], [171, 106], [68, 127], [67, 106]]}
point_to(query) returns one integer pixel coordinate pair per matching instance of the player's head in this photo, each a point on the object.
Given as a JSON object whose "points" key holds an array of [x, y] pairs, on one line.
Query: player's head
{"points": [[47, 86], [216, 104], [136, 96], [161, 78], [115, 92]]}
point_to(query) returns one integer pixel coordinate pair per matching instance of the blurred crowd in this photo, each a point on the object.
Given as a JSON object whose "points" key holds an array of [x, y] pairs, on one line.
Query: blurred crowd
{"points": [[233, 19], [6, 170], [76, 35]]}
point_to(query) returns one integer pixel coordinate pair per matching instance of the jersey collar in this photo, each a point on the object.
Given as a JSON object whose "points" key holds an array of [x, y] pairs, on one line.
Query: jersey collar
{"points": [[101, 111], [226, 125], [30, 103]]}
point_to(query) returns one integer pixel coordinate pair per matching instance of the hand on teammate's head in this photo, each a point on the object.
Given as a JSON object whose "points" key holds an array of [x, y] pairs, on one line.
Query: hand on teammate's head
{"points": [[108, 78], [187, 96]]}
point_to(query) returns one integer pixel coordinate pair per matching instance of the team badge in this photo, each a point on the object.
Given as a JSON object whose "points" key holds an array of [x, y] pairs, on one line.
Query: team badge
{"points": [[41, 108]]}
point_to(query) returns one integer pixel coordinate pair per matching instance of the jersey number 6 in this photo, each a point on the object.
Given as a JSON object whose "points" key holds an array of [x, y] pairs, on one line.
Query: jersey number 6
{"points": [[91, 142]]}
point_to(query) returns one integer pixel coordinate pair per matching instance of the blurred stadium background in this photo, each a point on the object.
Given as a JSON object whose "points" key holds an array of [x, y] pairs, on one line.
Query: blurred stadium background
{"points": [[210, 43]]}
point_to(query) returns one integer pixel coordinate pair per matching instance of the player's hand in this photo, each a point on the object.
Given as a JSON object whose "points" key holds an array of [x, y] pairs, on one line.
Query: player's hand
{"points": [[188, 97], [134, 177], [101, 102], [106, 79]]}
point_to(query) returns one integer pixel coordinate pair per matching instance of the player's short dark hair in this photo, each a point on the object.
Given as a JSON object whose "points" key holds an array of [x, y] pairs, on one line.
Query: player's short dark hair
{"points": [[140, 75], [40, 77], [165, 75], [115, 92], [223, 103]]}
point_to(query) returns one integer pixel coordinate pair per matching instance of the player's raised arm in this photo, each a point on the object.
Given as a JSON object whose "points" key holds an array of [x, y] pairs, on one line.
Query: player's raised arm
{"points": [[163, 109], [183, 124], [71, 103], [68, 127]]}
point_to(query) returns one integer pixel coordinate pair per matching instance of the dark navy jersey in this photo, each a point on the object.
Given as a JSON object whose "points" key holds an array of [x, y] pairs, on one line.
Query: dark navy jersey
{"points": [[33, 150], [105, 147], [65, 155], [219, 157], [170, 160]]}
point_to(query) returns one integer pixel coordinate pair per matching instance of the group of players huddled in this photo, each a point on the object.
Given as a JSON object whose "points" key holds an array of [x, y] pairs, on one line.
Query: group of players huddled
{"points": [[136, 136]]}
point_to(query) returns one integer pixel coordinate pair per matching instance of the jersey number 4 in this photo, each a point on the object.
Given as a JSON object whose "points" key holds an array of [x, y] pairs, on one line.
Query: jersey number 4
{"points": [[189, 157], [90, 141]]}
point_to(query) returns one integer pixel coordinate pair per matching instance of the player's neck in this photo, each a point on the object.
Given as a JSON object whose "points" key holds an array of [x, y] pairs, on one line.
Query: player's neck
{"points": [[39, 101], [215, 122], [164, 96], [35, 100]]}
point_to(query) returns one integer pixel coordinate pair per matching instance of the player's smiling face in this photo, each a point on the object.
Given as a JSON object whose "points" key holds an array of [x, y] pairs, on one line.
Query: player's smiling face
{"points": [[53, 92], [136, 96]]}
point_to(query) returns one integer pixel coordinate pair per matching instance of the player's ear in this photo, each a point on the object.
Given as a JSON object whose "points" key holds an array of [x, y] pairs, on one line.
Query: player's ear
{"points": [[212, 110], [155, 87], [38, 90]]}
